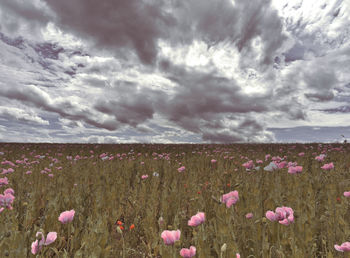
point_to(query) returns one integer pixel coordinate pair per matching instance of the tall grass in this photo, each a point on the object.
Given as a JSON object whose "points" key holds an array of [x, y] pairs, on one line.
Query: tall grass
{"points": [[104, 191]]}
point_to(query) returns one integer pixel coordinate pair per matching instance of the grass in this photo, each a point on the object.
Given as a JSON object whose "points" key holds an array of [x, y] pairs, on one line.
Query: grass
{"points": [[111, 190]]}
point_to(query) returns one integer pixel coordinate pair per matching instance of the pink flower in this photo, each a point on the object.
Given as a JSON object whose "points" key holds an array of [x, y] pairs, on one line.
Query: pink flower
{"points": [[4, 181], [249, 215], [185, 252], [66, 216], [37, 245], [144, 176], [249, 164], [181, 169], [197, 219], [230, 198], [6, 200], [238, 255], [282, 164], [9, 191], [320, 157], [347, 194], [344, 247], [169, 237], [270, 215], [295, 170], [328, 166], [284, 215], [301, 154], [213, 161]]}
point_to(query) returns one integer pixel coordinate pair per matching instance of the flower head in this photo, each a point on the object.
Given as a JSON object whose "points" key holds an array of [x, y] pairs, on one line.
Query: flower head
{"points": [[344, 247], [169, 237], [37, 245], [230, 198], [197, 219], [66, 216], [188, 252]]}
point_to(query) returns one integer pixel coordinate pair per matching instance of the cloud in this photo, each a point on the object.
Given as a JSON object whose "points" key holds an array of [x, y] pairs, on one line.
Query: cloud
{"points": [[171, 70], [21, 115]]}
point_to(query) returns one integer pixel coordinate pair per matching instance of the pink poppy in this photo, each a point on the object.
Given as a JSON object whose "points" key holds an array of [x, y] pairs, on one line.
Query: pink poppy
{"points": [[197, 219], [66, 216], [230, 198], [169, 237], [344, 247], [284, 215], [37, 245], [328, 166], [185, 252]]}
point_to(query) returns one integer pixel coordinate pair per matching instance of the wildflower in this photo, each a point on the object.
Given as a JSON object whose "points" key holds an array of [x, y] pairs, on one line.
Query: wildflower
{"points": [[344, 247], [37, 245], [213, 161], [249, 215], [197, 219], [144, 176], [248, 165], [66, 216], [132, 227], [181, 169], [328, 166], [320, 157], [185, 252], [6, 200], [347, 194], [4, 181], [295, 170], [230, 198], [169, 237], [9, 191], [284, 215]]}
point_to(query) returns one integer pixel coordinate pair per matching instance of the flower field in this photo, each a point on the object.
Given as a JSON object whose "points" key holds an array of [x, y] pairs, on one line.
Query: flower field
{"points": [[162, 200]]}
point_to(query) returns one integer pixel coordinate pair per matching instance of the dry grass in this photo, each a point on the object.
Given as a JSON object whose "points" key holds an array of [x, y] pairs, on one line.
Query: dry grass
{"points": [[108, 190]]}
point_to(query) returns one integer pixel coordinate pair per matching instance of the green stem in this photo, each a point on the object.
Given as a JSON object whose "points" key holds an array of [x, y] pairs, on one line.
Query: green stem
{"points": [[123, 246], [174, 251], [68, 238]]}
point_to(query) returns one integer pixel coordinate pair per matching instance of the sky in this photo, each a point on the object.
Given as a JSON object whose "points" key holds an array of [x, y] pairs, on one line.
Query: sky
{"points": [[174, 71]]}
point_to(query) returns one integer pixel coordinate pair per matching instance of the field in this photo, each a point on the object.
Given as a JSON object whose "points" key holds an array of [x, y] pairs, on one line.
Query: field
{"points": [[120, 212]]}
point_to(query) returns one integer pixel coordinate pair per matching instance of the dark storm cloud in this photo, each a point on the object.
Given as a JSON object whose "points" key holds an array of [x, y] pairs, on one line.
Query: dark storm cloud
{"points": [[137, 25], [114, 24], [16, 13], [201, 103]]}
